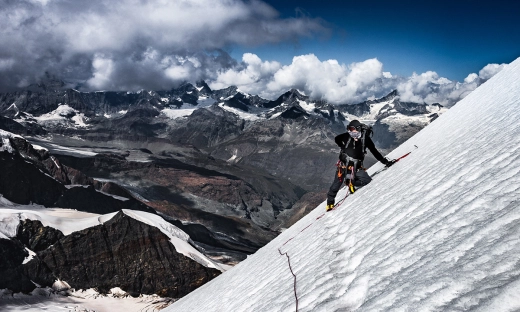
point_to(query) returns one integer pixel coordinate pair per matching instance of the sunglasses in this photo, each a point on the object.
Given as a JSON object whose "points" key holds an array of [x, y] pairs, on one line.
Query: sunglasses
{"points": [[352, 128]]}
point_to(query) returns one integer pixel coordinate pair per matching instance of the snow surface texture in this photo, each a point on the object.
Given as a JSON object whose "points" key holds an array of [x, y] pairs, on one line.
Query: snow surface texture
{"points": [[438, 231], [68, 221]]}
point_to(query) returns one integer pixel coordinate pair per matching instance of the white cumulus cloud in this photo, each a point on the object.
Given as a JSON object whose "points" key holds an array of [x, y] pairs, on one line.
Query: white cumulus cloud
{"points": [[490, 70], [319, 79], [345, 84]]}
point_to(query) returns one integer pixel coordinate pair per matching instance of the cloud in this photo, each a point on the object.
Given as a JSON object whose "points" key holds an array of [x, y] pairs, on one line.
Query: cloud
{"points": [[156, 44], [319, 79], [252, 74], [345, 84], [490, 70], [429, 88], [175, 39]]}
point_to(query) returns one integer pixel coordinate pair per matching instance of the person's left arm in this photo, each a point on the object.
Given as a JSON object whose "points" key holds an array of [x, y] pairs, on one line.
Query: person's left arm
{"points": [[372, 147]]}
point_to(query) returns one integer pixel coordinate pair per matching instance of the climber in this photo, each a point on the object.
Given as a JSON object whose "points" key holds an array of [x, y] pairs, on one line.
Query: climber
{"points": [[353, 144]]}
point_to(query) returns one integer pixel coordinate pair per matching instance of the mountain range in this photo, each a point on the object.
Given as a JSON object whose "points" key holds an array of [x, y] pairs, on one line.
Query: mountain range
{"points": [[229, 169]]}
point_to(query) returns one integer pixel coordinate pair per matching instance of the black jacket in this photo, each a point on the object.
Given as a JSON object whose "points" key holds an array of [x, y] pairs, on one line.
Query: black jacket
{"points": [[355, 148]]}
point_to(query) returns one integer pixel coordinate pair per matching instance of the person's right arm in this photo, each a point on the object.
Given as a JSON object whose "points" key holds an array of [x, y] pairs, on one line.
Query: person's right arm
{"points": [[340, 140]]}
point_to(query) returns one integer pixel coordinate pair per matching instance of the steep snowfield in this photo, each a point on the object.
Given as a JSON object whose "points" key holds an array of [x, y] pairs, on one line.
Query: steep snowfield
{"points": [[438, 231]]}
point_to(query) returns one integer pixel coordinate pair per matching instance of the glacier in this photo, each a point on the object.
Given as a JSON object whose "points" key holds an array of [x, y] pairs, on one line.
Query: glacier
{"points": [[438, 231]]}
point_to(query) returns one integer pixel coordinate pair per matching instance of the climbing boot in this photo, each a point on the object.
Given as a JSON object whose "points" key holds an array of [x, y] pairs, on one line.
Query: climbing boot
{"points": [[351, 188]]}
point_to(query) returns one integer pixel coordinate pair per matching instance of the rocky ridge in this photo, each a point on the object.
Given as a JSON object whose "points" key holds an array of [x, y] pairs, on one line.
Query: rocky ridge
{"points": [[121, 252]]}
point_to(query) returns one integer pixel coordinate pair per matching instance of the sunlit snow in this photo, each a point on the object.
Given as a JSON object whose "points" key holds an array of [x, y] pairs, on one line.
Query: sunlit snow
{"points": [[239, 113], [308, 107], [187, 109], [438, 231], [59, 116]]}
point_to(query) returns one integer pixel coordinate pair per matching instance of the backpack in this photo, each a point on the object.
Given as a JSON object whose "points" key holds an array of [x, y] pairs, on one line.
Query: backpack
{"points": [[367, 130]]}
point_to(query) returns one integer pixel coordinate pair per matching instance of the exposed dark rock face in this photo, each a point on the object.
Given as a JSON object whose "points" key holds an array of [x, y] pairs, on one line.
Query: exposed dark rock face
{"points": [[383, 137], [306, 204], [29, 128], [289, 97], [35, 236], [299, 149], [114, 189], [12, 254], [122, 253], [294, 112], [225, 93], [235, 193], [43, 179], [207, 127], [42, 160], [203, 87], [23, 183], [87, 198], [240, 100]]}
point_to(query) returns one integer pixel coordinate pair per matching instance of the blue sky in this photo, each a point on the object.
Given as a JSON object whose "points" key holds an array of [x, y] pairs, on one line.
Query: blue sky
{"points": [[453, 38]]}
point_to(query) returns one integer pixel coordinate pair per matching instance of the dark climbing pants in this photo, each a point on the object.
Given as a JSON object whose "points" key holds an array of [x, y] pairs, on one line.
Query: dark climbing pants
{"points": [[360, 179]]}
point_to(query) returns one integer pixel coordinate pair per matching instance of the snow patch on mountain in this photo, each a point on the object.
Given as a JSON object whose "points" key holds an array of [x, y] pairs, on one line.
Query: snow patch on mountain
{"points": [[187, 109], [438, 231], [5, 144], [240, 113], [118, 114], [30, 256], [174, 113], [65, 116], [308, 107]]}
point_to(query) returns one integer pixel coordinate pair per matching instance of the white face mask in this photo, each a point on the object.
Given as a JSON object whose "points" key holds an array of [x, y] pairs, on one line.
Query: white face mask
{"points": [[354, 135]]}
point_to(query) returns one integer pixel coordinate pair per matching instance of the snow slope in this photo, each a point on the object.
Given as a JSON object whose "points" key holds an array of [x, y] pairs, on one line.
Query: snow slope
{"points": [[438, 231]]}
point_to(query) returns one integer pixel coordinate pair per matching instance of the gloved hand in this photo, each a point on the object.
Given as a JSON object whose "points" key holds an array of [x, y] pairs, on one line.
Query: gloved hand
{"points": [[390, 162]]}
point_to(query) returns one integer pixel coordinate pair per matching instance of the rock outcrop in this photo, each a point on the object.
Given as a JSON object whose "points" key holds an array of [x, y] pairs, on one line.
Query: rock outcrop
{"points": [[37, 237], [12, 255], [122, 252]]}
